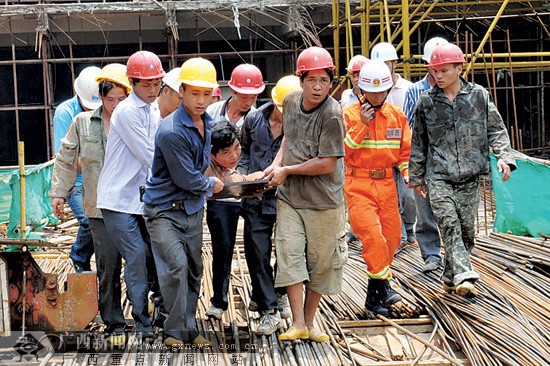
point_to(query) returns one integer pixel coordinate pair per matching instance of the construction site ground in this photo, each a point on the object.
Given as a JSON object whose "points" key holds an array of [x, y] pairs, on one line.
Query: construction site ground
{"points": [[506, 324]]}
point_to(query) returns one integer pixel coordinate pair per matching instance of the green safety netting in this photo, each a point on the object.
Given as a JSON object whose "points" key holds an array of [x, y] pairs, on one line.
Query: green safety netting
{"points": [[523, 201], [38, 204]]}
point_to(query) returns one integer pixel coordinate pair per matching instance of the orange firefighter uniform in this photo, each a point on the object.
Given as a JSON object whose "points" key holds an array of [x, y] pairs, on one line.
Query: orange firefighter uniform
{"points": [[371, 153]]}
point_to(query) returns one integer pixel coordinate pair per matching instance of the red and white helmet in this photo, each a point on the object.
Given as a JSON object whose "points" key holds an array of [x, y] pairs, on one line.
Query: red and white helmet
{"points": [[430, 45], [314, 58], [446, 54], [356, 62], [144, 65], [247, 79], [375, 76]]}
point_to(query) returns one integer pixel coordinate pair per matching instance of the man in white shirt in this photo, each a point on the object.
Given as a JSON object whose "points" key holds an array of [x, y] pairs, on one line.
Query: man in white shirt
{"points": [[128, 161]]}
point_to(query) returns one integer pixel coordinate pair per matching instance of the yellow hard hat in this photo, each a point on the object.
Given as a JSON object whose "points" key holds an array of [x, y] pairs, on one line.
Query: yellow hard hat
{"points": [[285, 85], [198, 71], [115, 73]]}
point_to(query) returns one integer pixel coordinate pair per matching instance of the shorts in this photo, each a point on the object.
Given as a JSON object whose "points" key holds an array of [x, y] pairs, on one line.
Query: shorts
{"points": [[310, 247]]}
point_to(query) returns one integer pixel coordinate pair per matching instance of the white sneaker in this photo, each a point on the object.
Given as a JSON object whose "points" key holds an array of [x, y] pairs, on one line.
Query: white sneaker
{"points": [[269, 322], [284, 306], [214, 312]]}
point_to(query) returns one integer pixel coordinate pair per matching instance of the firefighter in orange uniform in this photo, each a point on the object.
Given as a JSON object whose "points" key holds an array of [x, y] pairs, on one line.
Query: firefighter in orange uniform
{"points": [[378, 138]]}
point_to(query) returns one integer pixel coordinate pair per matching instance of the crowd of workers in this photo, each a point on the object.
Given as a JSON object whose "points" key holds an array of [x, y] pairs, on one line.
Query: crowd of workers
{"points": [[141, 153]]}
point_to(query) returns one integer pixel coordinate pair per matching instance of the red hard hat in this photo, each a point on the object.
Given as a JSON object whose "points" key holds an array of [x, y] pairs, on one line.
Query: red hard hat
{"points": [[144, 65], [216, 92], [247, 79], [314, 58], [446, 54], [356, 62]]}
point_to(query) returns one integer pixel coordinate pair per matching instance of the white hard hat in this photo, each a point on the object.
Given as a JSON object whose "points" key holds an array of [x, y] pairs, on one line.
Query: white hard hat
{"points": [[430, 45], [383, 51], [87, 88], [171, 79], [375, 76]]}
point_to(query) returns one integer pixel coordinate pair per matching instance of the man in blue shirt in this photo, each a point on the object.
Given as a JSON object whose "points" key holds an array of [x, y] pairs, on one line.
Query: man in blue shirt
{"points": [[426, 227], [86, 99], [174, 201]]}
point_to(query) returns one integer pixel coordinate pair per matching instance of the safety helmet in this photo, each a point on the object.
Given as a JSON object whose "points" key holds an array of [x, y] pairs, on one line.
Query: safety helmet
{"points": [[171, 79], [375, 76], [144, 65], [356, 62], [217, 92], [383, 51], [314, 58], [285, 85], [246, 79], [445, 54], [87, 88], [198, 71], [430, 45], [115, 73]]}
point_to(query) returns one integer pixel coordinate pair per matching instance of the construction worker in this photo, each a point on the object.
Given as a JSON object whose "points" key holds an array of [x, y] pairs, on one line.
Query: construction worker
{"points": [[222, 215], [246, 84], [387, 53], [216, 94], [174, 201], [86, 99], [128, 161], [261, 136], [84, 143], [351, 95], [456, 122], [169, 98], [426, 228], [378, 139], [309, 170]]}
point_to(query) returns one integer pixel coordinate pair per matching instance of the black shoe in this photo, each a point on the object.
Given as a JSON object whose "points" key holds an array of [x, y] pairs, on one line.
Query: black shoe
{"points": [[81, 267], [373, 302], [158, 322], [388, 295]]}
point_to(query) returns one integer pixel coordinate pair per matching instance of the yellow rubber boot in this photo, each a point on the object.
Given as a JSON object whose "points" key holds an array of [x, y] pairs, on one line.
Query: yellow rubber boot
{"points": [[293, 333], [316, 335]]}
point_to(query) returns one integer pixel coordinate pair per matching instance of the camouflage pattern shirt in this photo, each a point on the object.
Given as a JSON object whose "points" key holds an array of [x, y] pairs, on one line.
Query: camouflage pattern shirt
{"points": [[451, 140]]}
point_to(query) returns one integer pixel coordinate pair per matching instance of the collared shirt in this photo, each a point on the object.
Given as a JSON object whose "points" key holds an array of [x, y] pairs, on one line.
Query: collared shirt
{"points": [[129, 155], [259, 148], [412, 96], [310, 134], [398, 90], [181, 159], [348, 97], [218, 112], [451, 140], [86, 140], [64, 114]]}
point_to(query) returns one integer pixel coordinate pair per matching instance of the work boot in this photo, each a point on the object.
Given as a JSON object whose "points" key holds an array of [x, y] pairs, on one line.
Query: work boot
{"points": [[373, 302], [430, 266], [466, 289], [388, 295]]}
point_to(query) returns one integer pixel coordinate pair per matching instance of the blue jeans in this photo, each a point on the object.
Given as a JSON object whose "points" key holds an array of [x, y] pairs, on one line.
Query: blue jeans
{"points": [[83, 247], [222, 219], [131, 239], [407, 207], [426, 231], [109, 264], [258, 229], [176, 239]]}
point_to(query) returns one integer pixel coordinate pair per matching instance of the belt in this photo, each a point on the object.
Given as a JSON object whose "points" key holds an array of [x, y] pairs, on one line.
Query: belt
{"points": [[370, 173]]}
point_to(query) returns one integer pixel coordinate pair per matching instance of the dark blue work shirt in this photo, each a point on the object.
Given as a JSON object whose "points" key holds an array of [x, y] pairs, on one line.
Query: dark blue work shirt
{"points": [[180, 160], [259, 148]]}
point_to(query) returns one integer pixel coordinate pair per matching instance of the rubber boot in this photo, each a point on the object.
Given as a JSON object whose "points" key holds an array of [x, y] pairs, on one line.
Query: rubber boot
{"points": [[373, 302], [388, 295]]}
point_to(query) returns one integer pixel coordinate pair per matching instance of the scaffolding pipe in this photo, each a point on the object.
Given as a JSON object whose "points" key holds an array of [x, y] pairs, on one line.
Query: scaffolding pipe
{"points": [[22, 188], [336, 34], [407, 44], [489, 31]]}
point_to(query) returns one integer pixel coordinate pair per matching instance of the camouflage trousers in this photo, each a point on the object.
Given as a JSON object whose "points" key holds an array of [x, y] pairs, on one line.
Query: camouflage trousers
{"points": [[455, 207]]}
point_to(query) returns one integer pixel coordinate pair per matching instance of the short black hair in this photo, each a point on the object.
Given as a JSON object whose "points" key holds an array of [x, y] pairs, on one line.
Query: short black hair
{"points": [[224, 134], [106, 86], [330, 73]]}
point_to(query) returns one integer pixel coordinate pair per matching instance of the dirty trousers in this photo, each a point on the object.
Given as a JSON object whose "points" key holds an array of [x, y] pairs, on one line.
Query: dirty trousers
{"points": [[375, 219]]}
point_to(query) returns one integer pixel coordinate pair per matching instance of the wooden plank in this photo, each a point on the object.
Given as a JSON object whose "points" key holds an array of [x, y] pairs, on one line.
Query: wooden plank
{"points": [[380, 323], [394, 344], [367, 331]]}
